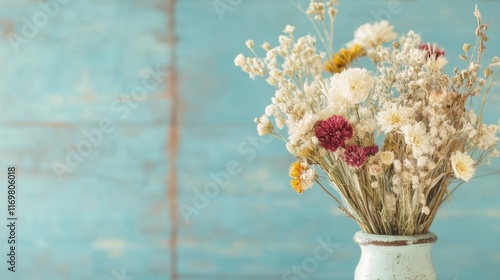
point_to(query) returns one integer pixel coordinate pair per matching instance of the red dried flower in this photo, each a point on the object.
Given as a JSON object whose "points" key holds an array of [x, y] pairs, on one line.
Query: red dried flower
{"points": [[371, 150], [333, 132], [355, 156], [431, 50]]}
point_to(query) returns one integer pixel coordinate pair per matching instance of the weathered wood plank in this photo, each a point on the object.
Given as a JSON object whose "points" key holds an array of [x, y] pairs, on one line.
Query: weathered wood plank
{"points": [[87, 89], [107, 214]]}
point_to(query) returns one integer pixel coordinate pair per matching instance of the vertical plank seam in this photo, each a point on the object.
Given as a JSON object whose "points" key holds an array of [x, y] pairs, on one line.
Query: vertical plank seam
{"points": [[173, 140]]}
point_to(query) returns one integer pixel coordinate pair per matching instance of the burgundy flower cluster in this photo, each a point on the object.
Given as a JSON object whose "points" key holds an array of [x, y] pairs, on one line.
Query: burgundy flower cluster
{"points": [[355, 156], [334, 132]]}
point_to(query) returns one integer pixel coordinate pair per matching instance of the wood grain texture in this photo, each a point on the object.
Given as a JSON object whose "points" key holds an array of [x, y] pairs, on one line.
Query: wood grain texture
{"points": [[182, 188]]}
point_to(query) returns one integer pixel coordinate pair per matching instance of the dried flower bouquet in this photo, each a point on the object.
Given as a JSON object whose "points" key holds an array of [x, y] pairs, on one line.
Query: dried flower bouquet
{"points": [[389, 141]]}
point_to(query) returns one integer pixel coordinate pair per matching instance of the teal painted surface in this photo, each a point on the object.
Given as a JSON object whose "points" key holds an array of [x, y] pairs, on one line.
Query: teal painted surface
{"points": [[112, 215]]}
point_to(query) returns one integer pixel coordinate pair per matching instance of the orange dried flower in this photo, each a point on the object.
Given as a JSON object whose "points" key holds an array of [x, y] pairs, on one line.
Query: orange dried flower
{"points": [[302, 176], [343, 58]]}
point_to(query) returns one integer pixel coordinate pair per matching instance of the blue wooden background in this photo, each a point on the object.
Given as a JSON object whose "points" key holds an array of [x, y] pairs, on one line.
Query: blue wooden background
{"points": [[176, 184]]}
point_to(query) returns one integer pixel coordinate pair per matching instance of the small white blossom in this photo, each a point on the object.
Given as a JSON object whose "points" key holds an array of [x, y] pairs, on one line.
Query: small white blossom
{"points": [[280, 122], [487, 138], [249, 44], [266, 46], [270, 109], [422, 161], [307, 178], [239, 60], [264, 126], [289, 29], [463, 165]]}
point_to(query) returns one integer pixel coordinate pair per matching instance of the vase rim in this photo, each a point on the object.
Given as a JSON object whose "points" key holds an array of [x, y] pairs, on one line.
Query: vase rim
{"points": [[363, 238]]}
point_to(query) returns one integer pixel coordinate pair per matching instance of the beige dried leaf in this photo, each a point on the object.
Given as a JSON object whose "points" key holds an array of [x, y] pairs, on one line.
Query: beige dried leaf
{"points": [[495, 62], [477, 13]]}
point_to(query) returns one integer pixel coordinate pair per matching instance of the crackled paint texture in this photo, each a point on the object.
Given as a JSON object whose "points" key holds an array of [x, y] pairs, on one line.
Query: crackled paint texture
{"points": [[156, 80]]}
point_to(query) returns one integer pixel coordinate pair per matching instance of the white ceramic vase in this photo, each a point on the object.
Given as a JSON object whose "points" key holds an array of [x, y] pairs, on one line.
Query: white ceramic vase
{"points": [[387, 257]]}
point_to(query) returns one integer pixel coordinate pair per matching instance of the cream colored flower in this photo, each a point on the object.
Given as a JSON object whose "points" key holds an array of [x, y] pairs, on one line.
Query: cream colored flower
{"points": [[394, 117], [249, 44], [266, 46], [355, 84], [417, 138], [280, 122], [301, 129], [463, 165], [337, 102], [239, 60], [371, 36], [289, 29], [264, 126], [386, 157]]}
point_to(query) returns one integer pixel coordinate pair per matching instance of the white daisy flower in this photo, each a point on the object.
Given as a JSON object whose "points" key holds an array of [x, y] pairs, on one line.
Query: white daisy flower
{"points": [[394, 117], [463, 165], [373, 35], [337, 103], [355, 84], [417, 138]]}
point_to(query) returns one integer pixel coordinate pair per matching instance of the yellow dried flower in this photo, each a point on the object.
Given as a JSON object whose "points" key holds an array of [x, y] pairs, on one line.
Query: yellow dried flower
{"points": [[295, 171], [302, 176], [343, 58]]}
